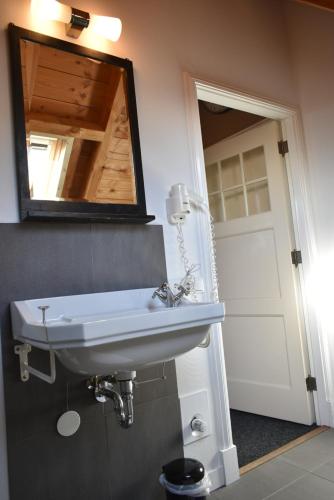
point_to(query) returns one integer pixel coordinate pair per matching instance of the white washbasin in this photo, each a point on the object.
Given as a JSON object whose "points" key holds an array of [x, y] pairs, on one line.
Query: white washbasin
{"points": [[99, 333]]}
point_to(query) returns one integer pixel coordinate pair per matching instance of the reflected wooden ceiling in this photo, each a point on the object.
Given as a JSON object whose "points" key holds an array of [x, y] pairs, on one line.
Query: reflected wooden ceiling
{"points": [[324, 4], [70, 95]]}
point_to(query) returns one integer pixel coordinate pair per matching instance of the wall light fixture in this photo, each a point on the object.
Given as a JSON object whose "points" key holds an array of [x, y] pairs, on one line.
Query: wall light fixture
{"points": [[77, 20]]}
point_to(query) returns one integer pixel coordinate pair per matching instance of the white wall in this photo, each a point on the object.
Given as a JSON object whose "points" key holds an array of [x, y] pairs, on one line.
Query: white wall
{"points": [[241, 43], [311, 34]]}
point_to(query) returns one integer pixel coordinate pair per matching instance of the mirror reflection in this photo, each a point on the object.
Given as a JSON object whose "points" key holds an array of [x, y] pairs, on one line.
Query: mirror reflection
{"points": [[77, 124]]}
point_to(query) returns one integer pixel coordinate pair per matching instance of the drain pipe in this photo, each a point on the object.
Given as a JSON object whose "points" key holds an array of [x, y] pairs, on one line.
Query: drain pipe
{"points": [[106, 390], [126, 388], [103, 388]]}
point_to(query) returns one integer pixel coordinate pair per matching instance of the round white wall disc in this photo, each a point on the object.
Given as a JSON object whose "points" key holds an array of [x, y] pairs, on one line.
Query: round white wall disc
{"points": [[68, 423]]}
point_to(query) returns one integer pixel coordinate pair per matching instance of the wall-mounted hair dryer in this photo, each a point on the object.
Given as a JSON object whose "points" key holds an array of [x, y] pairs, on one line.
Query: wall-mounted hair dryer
{"points": [[180, 201], [179, 205]]}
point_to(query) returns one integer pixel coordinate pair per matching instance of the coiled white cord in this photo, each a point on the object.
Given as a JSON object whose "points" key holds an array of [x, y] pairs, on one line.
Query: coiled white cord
{"points": [[190, 269], [182, 249], [213, 259], [189, 281]]}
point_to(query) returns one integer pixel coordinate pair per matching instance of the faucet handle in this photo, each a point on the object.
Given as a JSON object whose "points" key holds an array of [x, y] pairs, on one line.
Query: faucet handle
{"points": [[162, 288], [185, 290]]}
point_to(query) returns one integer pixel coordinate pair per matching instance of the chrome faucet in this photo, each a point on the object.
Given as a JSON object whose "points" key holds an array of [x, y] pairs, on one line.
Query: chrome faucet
{"points": [[166, 295]]}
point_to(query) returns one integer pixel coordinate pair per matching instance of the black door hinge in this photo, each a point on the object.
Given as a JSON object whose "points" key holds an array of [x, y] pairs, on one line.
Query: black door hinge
{"points": [[283, 147], [296, 257], [311, 383]]}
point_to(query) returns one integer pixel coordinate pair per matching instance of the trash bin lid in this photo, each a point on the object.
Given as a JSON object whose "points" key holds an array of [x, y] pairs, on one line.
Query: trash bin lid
{"points": [[184, 471]]}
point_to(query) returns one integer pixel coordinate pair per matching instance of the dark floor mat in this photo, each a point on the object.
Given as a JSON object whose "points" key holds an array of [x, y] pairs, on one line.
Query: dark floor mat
{"points": [[255, 436]]}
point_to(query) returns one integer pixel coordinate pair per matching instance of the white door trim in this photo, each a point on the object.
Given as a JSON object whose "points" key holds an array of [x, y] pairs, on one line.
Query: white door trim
{"points": [[304, 235]]}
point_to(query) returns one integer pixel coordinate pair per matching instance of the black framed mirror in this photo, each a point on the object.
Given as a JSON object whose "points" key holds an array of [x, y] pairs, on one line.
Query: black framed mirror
{"points": [[76, 132]]}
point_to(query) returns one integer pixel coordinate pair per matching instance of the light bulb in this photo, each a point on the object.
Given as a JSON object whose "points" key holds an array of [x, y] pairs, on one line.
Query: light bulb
{"points": [[51, 10], [108, 27]]}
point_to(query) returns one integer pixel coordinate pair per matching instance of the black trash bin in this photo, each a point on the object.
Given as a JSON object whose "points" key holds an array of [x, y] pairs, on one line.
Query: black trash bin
{"points": [[184, 479]]}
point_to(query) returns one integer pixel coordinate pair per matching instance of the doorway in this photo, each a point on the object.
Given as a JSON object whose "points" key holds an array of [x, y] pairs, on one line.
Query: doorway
{"points": [[304, 231], [263, 333]]}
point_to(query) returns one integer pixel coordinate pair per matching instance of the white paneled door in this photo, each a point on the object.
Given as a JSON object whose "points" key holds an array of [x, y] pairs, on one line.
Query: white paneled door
{"points": [[266, 359]]}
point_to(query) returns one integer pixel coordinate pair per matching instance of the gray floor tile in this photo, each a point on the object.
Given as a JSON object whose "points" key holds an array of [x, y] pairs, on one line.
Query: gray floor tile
{"points": [[313, 453], [261, 482], [326, 471], [309, 487]]}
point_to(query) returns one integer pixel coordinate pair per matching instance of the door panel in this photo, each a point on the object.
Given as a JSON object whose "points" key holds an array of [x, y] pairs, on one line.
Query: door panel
{"points": [[266, 357], [249, 266], [245, 338]]}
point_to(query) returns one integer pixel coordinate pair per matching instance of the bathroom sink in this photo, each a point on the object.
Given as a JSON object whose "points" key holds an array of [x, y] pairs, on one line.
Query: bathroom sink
{"points": [[102, 333]]}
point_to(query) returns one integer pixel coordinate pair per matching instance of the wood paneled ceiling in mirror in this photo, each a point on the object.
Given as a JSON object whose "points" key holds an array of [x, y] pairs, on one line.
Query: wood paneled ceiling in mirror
{"points": [[78, 128]]}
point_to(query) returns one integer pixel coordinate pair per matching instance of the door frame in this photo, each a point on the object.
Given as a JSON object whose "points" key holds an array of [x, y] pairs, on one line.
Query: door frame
{"points": [[303, 225]]}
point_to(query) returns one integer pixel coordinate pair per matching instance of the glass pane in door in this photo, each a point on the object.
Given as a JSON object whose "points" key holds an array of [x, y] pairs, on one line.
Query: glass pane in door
{"points": [[254, 164], [234, 203], [258, 197], [215, 205], [212, 177], [231, 172]]}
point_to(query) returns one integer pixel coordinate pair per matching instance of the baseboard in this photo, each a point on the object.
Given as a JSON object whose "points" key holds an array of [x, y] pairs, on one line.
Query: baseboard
{"points": [[231, 465], [217, 478], [228, 472], [329, 421]]}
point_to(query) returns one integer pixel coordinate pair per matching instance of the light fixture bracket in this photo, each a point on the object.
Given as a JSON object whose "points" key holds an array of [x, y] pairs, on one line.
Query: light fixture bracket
{"points": [[79, 21]]}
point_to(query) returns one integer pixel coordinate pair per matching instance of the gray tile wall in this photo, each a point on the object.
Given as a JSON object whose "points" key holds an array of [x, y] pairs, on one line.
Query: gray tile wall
{"points": [[102, 461]]}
